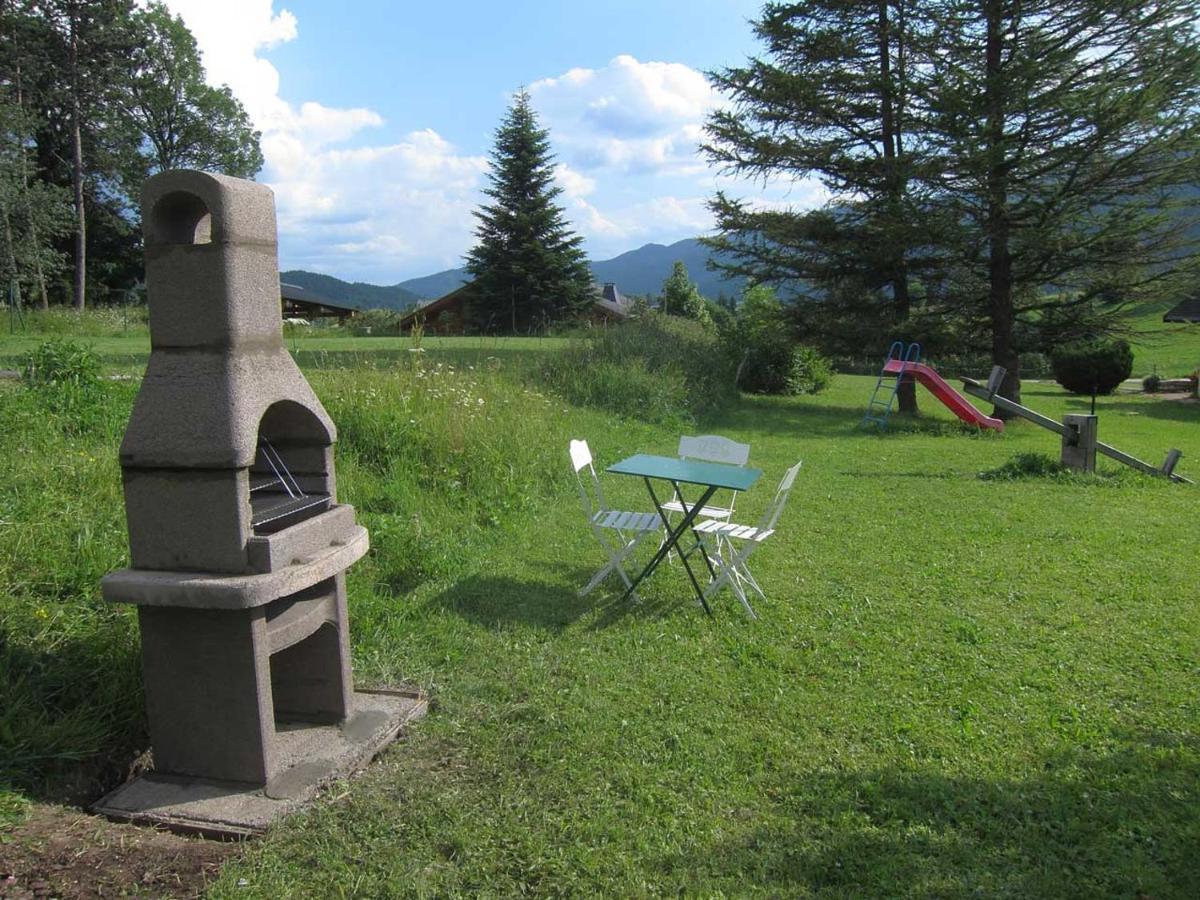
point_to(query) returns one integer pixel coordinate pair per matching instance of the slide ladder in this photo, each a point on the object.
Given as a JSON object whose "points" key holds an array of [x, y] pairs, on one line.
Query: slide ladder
{"points": [[879, 407]]}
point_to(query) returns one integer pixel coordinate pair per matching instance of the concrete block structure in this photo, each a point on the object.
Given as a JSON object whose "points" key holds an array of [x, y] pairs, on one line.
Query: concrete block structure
{"points": [[238, 545], [1079, 442]]}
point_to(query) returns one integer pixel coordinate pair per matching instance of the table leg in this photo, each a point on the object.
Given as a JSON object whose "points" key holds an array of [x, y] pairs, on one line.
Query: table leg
{"points": [[699, 543], [672, 540]]}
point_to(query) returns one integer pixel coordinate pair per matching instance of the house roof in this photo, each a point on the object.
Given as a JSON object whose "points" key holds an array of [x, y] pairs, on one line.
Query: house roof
{"points": [[297, 294], [611, 300], [608, 298], [444, 302], [1187, 311]]}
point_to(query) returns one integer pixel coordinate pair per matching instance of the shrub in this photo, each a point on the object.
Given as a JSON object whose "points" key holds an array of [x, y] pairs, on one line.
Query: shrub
{"points": [[376, 322], [60, 362], [63, 381], [811, 371], [1095, 365], [1150, 384], [774, 365], [657, 368]]}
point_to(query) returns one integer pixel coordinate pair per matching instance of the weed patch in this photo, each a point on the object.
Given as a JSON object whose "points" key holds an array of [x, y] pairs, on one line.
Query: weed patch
{"points": [[660, 369]]}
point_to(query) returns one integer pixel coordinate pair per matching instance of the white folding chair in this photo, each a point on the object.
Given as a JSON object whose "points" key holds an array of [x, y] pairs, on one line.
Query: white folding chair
{"points": [[632, 528], [709, 448], [731, 562]]}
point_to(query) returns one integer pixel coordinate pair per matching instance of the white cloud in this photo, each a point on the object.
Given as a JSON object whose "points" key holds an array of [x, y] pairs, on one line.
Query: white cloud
{"points": [[371, 212], [635, 117], [626, 135]]}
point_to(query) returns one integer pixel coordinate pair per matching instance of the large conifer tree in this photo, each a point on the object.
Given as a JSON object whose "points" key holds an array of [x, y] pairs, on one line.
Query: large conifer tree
{"points": [[830, 99], [1032, 162], [1069, 143], [528, 266]]}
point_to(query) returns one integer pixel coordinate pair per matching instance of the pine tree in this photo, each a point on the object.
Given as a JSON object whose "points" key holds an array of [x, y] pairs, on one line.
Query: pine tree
{"points": [[528, 266], [1071, 147], [831, 98], [681, 297]]}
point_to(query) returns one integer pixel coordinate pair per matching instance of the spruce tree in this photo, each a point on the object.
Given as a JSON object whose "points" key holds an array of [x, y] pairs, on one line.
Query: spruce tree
{"points": [[1070, 148], [831, 98], [681, 297], [528, 266]]}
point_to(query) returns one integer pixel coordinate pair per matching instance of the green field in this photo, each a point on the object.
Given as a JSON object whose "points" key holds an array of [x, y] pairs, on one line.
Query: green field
{"points": [[1168, 349], [959, 686]]}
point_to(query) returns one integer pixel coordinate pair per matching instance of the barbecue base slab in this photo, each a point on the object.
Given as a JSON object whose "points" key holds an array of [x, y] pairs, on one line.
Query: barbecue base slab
{"points": [[314, 756]]}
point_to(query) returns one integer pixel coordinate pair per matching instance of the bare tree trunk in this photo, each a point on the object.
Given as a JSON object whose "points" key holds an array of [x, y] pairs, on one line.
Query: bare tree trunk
{"points": [[43, 296], [907, 390], [80, 283], [999, 228], [11, 260]]}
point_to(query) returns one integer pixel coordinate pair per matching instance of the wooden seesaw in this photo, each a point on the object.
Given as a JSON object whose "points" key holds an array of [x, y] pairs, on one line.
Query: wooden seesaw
{"points": [[1079, 442]]}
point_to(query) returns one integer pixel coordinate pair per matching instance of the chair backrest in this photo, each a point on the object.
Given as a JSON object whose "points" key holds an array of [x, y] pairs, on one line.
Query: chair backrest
{"points": [[581, 458], [714, 448], [771, 516]]}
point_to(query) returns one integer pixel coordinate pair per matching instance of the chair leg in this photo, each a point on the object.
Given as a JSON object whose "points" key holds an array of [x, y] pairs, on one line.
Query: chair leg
{"points": [[733, 572], [615, 558]]}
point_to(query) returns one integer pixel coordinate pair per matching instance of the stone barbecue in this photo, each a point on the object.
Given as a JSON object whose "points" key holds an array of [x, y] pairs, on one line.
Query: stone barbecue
{"points": [[238, 545]]}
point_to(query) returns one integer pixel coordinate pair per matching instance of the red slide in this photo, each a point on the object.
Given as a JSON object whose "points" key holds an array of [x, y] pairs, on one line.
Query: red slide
{"points": [[938, 386]]}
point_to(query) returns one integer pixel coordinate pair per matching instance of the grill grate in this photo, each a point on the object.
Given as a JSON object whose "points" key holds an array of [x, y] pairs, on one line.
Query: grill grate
{"points": [[276, 499]]}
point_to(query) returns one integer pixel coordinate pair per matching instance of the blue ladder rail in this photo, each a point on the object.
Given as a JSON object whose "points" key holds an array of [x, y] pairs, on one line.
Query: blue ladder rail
{"points": [[878, 409]]}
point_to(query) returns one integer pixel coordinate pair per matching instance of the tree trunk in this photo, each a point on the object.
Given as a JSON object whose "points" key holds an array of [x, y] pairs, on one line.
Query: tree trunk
{"points": [[11, 260], [43, 296], [999, 228], [907, 390], [80, 284]]}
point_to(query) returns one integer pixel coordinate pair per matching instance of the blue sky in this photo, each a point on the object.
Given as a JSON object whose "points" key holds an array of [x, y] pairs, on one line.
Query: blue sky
{"points": [[377, 117]]}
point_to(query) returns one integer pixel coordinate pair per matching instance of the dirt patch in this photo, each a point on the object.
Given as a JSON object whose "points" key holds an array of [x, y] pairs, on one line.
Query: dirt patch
{"points": [[65, 853]]}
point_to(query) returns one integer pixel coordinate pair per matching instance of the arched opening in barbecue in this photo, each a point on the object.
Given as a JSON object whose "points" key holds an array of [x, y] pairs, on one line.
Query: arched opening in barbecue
{"points": [[290, 480]]}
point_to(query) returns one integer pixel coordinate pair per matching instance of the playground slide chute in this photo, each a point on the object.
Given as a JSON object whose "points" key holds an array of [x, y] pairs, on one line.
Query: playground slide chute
{"points": [[937, 385]]}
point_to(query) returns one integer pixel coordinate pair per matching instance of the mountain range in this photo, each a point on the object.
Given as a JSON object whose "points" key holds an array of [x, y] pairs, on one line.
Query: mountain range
{"points": [[640, 271]]}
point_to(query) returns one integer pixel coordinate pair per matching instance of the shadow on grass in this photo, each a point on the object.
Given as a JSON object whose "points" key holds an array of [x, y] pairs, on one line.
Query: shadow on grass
{"points": [[772, 416], [497, 601], [1158, 408], [71, 720], [1090, 824]]}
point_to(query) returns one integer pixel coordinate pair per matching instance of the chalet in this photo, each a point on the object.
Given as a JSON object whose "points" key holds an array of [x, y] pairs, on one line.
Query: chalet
{"points": [[448, 314], [1188, 312], [302, 303]]}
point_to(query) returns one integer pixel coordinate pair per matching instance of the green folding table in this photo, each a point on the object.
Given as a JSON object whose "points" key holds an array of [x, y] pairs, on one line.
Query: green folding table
{"points": [[711, 476]]}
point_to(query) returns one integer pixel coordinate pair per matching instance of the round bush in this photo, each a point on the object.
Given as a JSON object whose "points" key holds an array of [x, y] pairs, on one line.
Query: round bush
{"points": [[1095, 365], [1151, 383]]}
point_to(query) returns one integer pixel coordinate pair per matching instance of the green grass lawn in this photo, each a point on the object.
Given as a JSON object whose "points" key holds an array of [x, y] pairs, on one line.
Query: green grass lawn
{"points": [[1169, 349], [957, 687]]}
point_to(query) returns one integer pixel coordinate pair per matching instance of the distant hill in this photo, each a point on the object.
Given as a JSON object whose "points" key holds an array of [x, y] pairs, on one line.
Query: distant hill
{"points": [[640, 271], [430, 287], [643, 271], [358, 294]]}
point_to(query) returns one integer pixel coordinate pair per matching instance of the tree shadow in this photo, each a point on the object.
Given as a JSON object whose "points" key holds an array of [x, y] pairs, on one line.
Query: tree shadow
{"points": [[499, 601], [1088, 825], [1157, 408], [71, 721]]}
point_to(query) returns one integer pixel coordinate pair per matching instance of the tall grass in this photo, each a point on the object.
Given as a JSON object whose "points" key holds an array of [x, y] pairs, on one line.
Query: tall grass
{"points": [[100, 321], [436, 457], [659, 369]]}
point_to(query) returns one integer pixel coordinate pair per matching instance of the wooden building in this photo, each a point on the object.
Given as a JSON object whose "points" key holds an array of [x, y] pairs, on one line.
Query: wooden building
{"points": [[1187, 312], [302, 303], [448, 314]]}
